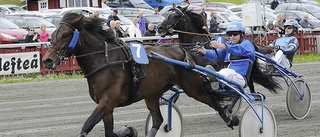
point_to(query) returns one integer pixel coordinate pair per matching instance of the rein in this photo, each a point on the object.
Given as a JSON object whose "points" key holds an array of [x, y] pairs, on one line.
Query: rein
{"points": [[97, 52], [193, 33]]}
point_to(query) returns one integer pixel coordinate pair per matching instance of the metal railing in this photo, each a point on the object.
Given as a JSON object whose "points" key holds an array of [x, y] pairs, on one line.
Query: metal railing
{"points": [[307, 40]]}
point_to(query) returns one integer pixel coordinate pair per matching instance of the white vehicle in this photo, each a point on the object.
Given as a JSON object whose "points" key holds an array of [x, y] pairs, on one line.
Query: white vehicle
{"points": [[223, 18], [33, 14], [103, 13], [9, 9]]}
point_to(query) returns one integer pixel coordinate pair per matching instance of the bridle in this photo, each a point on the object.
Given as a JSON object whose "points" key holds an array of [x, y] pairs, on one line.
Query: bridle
{"points": [[61, 54], [74, 42], [170, 28]]}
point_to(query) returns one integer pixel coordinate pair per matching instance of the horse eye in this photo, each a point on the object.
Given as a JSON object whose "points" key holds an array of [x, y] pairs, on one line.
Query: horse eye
{"points": [[65, 35]]}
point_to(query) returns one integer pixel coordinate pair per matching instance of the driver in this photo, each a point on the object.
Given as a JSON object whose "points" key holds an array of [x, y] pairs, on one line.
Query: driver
{"points": [[238, 54], [286, 47]]}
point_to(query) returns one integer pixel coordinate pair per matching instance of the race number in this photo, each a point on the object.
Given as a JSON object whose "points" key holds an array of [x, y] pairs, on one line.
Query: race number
{"points": [[219, 39], [139, 53]]}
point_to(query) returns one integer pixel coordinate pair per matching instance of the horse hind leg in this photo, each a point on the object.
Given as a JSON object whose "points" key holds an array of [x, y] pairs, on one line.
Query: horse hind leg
{"points": [[224, 113], [251, 86], [198, 92]]}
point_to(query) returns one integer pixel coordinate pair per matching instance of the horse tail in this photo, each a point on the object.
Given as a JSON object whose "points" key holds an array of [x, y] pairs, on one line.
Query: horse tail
{"points": [[257, 76]]}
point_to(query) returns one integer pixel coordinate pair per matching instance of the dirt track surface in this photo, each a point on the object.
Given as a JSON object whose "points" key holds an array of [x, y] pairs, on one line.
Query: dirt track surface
{"points": [[60, 107]]}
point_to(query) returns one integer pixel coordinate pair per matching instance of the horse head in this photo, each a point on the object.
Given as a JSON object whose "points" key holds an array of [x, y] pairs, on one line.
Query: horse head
{"points": [[190, 26], [69, 36], [173, 21]]}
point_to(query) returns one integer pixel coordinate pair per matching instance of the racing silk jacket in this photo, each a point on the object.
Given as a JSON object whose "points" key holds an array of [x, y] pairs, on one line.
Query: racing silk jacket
{"points": [[239, 56], [288, 44]]}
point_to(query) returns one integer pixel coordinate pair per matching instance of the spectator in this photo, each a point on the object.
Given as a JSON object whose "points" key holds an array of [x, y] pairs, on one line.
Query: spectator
{"points": [[270, 25], [91, 15], [120, 32], [142, 23], [134, 30], [213, 23], [96, 14], [44, 35], [114, 15], [113, 27], [274, 4], [151, 31], [283, 17], [156, 11], [305, 23], [293, 19], [279, 25], [31, 36]]}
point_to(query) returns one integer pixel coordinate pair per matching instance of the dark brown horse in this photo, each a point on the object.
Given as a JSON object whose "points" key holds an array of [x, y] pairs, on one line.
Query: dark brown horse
{"points": [[191, 28], [115, 80]]}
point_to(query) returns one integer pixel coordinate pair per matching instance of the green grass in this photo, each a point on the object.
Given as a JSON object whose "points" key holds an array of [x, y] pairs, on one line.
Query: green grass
{"points": [[16, 2], [307, 57], [31, 77]]}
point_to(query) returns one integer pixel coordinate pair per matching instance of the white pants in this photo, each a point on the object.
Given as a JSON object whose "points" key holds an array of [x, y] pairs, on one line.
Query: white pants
{"points": [[233, 75], [280, 58]]}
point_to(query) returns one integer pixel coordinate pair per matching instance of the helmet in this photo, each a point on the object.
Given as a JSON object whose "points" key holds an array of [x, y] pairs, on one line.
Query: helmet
{"points": [[291, 23], [235, 26]]}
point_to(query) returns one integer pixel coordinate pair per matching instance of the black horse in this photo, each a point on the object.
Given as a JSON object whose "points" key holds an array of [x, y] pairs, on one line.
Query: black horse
{"points": [[116, 80], [191, 28]]}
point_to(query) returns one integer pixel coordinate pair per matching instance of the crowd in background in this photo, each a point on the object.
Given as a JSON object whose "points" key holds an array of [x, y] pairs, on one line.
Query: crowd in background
{"points": [[32, 36], [138, 28]]}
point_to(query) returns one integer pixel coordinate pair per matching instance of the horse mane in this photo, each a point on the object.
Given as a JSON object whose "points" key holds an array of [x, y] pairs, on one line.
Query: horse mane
{"points": [[94, 26]]}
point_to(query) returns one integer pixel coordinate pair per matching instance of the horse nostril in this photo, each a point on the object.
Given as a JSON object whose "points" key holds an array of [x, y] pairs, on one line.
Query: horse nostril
{"points": [[48, 60]]}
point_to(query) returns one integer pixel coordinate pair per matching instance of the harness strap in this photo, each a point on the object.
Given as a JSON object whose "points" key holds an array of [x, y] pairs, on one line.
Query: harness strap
{"points": [[101, 67]]}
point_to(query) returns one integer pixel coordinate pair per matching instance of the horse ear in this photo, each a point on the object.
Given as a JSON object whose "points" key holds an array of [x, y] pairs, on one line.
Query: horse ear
{"points": [[184, 9], [174, 6]]}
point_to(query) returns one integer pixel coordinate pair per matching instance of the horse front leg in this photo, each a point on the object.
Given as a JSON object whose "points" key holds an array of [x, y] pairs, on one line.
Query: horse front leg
{"points": [[99, 112], [157, 119]]}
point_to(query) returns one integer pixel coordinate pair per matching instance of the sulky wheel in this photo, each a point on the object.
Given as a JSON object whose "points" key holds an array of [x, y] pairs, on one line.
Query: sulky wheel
{"points": [[250, 125], [177, 122], [298, 107]]}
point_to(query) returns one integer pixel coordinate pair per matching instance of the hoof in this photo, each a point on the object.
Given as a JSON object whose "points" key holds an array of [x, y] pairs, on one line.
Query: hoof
{"points": [[127, 132], [83, 135], [133, 132], [233, 122], [152, 132]]}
